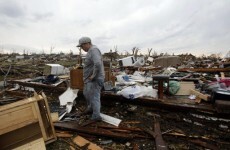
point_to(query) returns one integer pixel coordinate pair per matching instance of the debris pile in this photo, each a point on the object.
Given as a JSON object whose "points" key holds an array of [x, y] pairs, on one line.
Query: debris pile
{"points": [[148, 102]]}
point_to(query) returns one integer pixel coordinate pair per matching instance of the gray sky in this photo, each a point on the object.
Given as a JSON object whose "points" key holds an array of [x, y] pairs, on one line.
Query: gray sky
{"points": [[172, 26]]}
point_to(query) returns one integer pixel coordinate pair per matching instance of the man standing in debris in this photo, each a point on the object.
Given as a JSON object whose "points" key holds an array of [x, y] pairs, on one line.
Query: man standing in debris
{"points": [[93, 77]]}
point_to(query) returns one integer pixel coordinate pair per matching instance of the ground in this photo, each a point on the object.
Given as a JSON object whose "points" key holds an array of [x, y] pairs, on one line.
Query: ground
{"points": [[181, 130]]}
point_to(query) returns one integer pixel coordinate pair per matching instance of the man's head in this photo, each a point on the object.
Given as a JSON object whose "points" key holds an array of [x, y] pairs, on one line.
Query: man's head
{"points": [[85, 43]]}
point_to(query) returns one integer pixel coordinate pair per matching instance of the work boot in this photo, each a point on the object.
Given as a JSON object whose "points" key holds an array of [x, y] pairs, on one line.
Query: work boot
{"points": [[96, 119], [91, 121], [86, 112]]}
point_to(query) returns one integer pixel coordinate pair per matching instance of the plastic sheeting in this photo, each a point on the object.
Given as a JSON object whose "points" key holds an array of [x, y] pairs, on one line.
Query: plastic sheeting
{"points": [[174, 87], [133, 92]]}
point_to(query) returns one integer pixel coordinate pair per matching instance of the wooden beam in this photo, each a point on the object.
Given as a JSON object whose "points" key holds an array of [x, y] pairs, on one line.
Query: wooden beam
{"points": [[95, 131], [200, 95], [49, 119], [210, 70], [38, 86], [172, 103], [206, 145], [21, 102], [160, 143]]}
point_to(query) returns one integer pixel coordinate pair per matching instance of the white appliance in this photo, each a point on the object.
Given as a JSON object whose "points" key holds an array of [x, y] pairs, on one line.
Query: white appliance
{"points": [[127, 61]]}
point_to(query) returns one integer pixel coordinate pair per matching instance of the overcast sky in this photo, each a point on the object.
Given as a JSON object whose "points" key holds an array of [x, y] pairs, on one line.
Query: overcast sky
{"points": [[172, 26]]}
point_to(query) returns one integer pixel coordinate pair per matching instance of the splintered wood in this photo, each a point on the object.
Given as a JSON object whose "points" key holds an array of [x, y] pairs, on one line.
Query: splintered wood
{"points": [[64, 134], [80, 141], [200, 95]]}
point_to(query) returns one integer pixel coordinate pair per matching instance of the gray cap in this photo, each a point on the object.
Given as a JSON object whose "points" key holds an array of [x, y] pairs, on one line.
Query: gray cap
{"points": [[84, 40]]}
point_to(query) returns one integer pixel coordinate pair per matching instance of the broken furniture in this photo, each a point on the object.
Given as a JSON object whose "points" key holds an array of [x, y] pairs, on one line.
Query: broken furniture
{"points": [[25, 121], [76, 77], [161, 79]]}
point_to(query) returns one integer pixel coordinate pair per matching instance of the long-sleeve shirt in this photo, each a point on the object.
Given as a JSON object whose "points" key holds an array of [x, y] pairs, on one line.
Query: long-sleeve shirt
{"points": [[93, 65]]}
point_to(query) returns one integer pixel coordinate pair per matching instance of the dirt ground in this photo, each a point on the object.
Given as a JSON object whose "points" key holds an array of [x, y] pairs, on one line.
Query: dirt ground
{"points": [[180, 130]]}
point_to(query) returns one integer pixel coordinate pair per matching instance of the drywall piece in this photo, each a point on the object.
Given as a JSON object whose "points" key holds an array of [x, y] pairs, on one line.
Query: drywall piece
{"points": [[68, 96], [110, 120]]}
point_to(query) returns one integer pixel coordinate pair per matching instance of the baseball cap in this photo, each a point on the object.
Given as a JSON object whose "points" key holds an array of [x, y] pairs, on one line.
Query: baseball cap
{"points": [[84, 40]]}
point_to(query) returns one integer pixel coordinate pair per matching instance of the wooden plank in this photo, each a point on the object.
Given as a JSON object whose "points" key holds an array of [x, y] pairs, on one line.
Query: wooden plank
{"points": [[198, 100], [21, 102], [204, 144], [200, 95], [16, 118], [91, 131], [64, 77], [64, 135], [20, 136], [38, 85], [160, 143], [204, 70], [37, 144], [49, 117], [41, 123], [185, 88], [54, 117], [150, 68], [180, 104], [157, 135], [80, 141]]}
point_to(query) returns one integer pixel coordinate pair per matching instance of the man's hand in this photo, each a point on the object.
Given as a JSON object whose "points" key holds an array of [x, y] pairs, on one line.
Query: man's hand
{"points": [[91, 78]]}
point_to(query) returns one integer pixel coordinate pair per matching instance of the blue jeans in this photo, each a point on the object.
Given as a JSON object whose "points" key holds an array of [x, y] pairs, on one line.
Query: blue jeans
{"points": [[92, 94]]}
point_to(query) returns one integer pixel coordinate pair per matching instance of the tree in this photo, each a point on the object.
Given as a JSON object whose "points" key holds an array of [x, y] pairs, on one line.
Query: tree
{"points": [[227, 55], [70, 52], [135, 51], [115, 48], [149, 51], [154, 53], [51, 49], [127, 53]]}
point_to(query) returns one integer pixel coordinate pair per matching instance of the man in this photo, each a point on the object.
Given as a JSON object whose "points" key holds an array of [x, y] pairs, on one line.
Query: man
{"points": [[93, 77]]}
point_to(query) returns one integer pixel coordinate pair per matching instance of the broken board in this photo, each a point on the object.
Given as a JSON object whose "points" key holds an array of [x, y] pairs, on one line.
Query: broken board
{"points": [[185, 88], [80, 141]]}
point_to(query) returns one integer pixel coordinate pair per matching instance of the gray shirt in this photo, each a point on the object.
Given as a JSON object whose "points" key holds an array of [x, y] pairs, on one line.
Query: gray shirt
{"points": [[93, 65]]}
